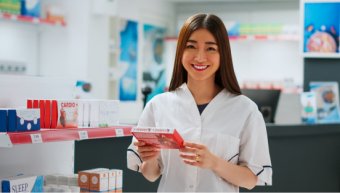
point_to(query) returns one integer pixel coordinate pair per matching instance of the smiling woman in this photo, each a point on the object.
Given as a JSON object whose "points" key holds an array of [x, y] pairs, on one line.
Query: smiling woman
{"points": [[225, 139]]}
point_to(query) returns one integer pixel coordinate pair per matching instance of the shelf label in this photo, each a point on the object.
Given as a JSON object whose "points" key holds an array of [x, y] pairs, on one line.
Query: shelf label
{"points": [[83, 135], [119, 132], [36, 138], [5, 141]]}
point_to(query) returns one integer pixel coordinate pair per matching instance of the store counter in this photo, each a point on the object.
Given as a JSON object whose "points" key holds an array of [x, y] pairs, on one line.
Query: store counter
{"points": [[305, 158]]}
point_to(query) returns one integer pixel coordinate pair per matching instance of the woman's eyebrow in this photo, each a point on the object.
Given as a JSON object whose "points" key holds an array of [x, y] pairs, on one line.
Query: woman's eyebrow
{"points": [[195, 42]]}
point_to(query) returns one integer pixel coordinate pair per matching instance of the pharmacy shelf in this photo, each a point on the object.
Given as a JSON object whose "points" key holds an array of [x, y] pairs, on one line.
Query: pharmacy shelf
{"points": [[33, 20], [10, 139], [259, 37]]}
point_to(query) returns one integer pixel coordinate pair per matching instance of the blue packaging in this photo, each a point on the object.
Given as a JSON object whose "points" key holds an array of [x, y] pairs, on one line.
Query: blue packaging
{"points": [[3, 120], [12, 120], [28, 119], [27, 184], [31, 8]]}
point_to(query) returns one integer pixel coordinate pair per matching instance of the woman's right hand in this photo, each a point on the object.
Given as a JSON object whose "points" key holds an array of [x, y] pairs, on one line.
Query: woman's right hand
{"points": [[147, 152]]}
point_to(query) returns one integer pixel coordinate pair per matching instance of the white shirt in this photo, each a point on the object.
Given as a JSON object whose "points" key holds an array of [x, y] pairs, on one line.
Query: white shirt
{"points": [[230, 126]]}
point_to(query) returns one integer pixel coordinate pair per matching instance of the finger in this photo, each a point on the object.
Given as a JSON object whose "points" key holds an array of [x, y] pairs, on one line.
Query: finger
{"points": [[147, 149], [188, 150], [151, 156], [138, 143], [193, 163], [194, 145], [148, 154], [188, 157]]}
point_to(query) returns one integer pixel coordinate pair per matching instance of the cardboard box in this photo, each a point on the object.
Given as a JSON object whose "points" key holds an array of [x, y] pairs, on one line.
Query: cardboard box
{"points": [[22, 183], [116, 180], [3, 120], [85, 176], [165, 138], [28, 119], [67, 114], [99, 181]]}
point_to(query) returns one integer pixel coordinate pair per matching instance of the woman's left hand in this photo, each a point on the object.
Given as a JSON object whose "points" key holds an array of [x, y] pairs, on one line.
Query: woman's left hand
{"points": [[198, 155]]}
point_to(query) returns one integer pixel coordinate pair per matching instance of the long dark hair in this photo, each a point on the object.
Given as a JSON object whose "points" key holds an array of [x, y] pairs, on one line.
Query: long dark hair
{"points": [[225, 75]]}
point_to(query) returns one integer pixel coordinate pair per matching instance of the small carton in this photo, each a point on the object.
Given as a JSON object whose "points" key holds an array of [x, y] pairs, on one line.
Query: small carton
{"points": [[165, 138], [84, 177], [115, 180], [28, 119], [99, 181], [108, 113], [3, 120], [67, 114], [23, 183], [47, 117]]}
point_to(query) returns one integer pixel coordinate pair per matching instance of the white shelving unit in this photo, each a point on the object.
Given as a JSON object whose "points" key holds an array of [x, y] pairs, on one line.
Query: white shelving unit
{"points": [[11, 139], [113, 52]]}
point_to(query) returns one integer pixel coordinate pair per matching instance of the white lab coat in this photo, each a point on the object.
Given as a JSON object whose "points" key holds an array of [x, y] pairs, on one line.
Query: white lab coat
{"points": [[230, 126]]}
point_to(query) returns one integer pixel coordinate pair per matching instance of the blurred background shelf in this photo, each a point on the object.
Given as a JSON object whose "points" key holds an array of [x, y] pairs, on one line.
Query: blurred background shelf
{"points": [[57, 135], [33, 20]]}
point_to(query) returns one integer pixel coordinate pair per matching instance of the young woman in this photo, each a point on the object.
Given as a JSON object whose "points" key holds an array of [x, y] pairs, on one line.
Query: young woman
{"points": [[226, 145]]}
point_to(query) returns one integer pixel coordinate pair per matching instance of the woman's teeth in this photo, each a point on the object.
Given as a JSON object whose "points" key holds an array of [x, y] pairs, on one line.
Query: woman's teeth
{"points": [[200, 67]]}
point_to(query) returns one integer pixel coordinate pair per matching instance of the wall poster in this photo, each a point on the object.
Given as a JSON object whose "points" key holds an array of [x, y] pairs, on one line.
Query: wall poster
{"points": [[154, 74], [128, 60]]}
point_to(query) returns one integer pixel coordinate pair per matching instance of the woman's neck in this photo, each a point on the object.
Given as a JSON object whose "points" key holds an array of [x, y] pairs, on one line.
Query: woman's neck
{"points": [[203, 91]]}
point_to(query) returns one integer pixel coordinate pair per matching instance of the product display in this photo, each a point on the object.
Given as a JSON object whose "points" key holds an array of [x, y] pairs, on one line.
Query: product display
{"points": [[159, 137], [22, 183]]}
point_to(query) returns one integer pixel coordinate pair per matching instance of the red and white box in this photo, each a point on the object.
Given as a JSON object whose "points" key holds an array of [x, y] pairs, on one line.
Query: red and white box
{"points": [[164, 138], [115, 180], [67, 114]]}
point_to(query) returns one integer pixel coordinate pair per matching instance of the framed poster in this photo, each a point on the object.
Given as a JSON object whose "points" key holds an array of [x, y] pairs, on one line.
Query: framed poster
{"points": [[321, 22], [128, 60], [154, 74]]}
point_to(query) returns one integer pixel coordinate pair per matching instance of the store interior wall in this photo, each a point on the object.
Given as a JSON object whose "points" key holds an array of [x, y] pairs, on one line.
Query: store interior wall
{"points": [[80, 50], [278, 60]]}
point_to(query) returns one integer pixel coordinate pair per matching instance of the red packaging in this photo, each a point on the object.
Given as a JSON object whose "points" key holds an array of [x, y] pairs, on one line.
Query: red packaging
{"points": [[54, 114], [29, 104], [42, 113], [35, 104], [163, 138], [47, 121]]}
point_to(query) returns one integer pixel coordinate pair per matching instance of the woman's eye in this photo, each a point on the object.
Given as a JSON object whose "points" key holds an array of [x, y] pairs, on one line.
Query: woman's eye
{"points": [[190, 46], [212, 49]]}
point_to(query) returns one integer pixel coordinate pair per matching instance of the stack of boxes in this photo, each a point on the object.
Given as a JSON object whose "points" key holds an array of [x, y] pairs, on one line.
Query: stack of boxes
{"points": [[22, 183], [68, 114], [20, 119], [101, 180], [30, 8], [10, 6]]}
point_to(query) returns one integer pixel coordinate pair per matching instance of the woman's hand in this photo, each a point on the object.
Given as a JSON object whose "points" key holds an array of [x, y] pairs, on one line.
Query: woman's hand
{"points": [[147, 152], [198, 155]]}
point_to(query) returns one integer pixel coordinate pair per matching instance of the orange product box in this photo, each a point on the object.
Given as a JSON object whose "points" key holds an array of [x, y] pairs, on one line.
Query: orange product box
{"points": [[84, 177], [99, 181], [165, 138]]}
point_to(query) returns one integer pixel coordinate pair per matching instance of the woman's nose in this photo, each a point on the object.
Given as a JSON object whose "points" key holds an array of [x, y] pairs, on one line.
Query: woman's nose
{"points": [[200, 56]]}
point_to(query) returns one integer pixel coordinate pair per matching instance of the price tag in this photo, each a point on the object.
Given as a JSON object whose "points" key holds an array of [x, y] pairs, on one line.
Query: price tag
{"points": [[83, 135], [119, 132], [36, 138]]}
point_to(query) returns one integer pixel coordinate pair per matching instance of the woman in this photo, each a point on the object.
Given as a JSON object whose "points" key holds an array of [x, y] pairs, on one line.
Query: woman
{"points": [[226, 145]]}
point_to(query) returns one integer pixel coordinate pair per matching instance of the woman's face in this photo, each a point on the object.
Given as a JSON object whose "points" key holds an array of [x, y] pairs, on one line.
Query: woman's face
{"points": [[201, 58]]}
